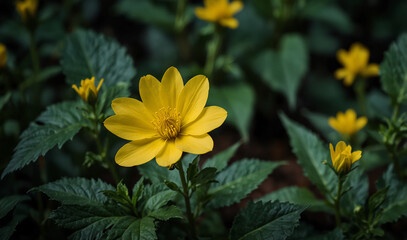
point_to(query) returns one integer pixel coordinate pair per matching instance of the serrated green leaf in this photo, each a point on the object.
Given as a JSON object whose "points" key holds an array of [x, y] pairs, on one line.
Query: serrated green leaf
{"points": [[270, 220], [310, 152], [133, 229], [58, 124], [220, 160], [204, 176], [356, 186], [147, 12], [238, 100], [299, 196], [88, 54], [8, 203], [395, 204], [284, 69], [238, 180], [76, 191], [158, 200], [393, 70], [166, 213]]}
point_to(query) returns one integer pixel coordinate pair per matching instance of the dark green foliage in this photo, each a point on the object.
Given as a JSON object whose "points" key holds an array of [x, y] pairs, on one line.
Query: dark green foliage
{"points": [[95, 211], [238, 180], [88, 54], [270, 220], [220, 160], [393, 70], [8, 203], [284, 69], [311, 152], [58, 124]]}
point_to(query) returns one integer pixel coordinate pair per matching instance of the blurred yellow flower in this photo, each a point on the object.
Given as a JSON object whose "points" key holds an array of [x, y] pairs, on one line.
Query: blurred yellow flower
{"points": [[355, 62], [25, 7], [87, 90], [3, 55], [220, 11], [346, 123], [343, 157], [171, 119]]}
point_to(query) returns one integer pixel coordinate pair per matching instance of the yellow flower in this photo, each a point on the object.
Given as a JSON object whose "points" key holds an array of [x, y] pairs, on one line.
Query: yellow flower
{"points": [[171, 119], [346, 123], [3, 55], [355, 62], [88, 90], [25, 7], [343, 157], [220, 11]]}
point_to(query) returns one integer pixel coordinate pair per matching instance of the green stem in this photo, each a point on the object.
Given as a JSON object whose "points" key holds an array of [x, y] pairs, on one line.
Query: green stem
{"points": [[337, 203], [34, 55], [186, 195], [213, 49], [360, 90], [101, 149], [179, 17]]}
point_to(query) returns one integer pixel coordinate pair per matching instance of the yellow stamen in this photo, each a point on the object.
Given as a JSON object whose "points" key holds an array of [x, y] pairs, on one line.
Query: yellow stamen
{"points": [[167, 122]]}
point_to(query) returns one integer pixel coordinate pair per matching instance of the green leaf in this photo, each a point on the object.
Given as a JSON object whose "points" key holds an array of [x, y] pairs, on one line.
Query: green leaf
{"points": [[58, 124], [320, 122], [147, 12], [393, 70], [395, 204], [8, 203], [238, 101], [158, 200], [7, 231], [166, 213], [220, 160], [5, 99], [76, 191], [108, 95], [88, 54], [270, 220], [283, 70], [356, 187], [299, 196], [133, 229], [310, 152], [238, 180], [204, 176]]}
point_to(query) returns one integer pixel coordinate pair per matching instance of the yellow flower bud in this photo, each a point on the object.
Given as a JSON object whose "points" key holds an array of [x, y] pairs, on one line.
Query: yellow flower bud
{"points": [[26, 7], [3, 55], [355, 62], [88, 91], [220, 11], [343, 157], [346, 123]]}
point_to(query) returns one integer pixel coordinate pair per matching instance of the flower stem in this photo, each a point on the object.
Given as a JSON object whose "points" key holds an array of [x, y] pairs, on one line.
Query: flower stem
{"points": [[186, 195], [213, 49], [101, 149], [336, 203], [360, 90]]}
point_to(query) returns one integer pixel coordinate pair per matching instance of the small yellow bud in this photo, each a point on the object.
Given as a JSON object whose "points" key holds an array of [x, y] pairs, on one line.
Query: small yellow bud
{"points": [[220, 11], [87, 90], [343, 157], [26, 8], [346, 123]]}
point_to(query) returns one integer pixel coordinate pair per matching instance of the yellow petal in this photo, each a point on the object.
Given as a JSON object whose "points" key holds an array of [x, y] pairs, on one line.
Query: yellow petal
{"points": [[194, 144], [171, 86], [132, 107], [341, 73], [333, 122], [371, 70], [169, 154], [210, 118], [100, 84], [204, 14], [333, 155], [150, 93], [235, 7], [193, 98], [360, 54], [76, 88], [340, 147], [130, 127], [229, 22], [361, 123], [350, 116], [356, 156], [139, 152], [349, 79], [342, 57]]}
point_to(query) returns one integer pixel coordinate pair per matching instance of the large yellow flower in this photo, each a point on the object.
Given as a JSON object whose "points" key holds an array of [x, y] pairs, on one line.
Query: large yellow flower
{"points": [[220, 11], [25, 7], [346, 123], [355, 62], [87, 90], [343, 157], [171, 119], [3, 55]]}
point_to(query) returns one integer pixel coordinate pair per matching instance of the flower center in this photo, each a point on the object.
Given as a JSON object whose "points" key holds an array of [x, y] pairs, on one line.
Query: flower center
{"points": [[167, 122]]}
